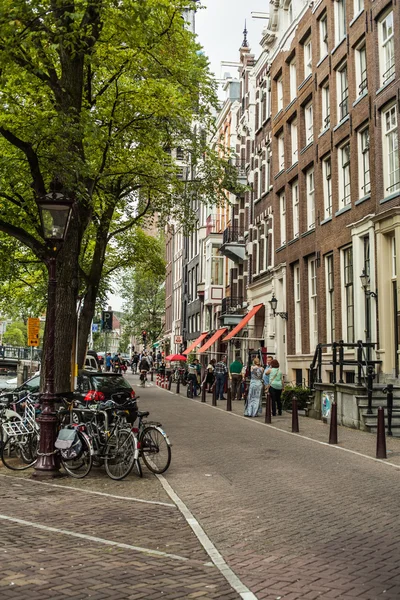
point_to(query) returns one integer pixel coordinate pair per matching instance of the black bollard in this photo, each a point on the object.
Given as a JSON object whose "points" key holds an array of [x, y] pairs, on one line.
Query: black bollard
{"points": [[190, 389], [152, 375], [214, 395], [381, 438], [268, 411], [178, 385], [333, 426], [229, 398], [204, 392], [295, 416], [170, 382]]}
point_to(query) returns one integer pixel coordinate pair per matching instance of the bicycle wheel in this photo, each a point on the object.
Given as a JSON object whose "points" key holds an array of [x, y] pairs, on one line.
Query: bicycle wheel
{"points": [[80, 466], [16, 453], [121, 454], [155, 449]]}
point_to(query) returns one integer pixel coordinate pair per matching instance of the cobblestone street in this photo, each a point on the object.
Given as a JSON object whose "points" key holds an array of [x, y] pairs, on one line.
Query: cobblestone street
{"points": [[292, 518]]}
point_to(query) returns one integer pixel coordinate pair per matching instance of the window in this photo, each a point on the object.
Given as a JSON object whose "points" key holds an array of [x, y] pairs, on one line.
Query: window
{"points": [[361, 69], [309, 123], [358, 6], [348, 292], [363, 168], [281, 152], [327, 175], [312, 293], [297, 308], [344, 176], [279, 94], [179, 154], [340, 20], [293, 80], [391, 173], [310, 199], [261, 243], [326, 107], [290, 12], [294, 141], [323, 36], [295, 206], [307, 58], [282, 215], [254, 258], [394, 266], [267, 169], [330, 300], [343, 92], [386, 48], [217, 267]]}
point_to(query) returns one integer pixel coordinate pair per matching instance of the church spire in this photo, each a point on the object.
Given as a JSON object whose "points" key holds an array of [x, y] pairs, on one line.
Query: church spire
{"points": [[245, 43]]}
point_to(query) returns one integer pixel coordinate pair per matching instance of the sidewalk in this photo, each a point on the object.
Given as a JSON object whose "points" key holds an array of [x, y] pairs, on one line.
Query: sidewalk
{"points": [[350, 439]]}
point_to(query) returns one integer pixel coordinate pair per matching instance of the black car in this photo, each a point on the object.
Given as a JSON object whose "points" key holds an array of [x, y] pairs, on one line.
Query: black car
{"points": [[99, 387]]}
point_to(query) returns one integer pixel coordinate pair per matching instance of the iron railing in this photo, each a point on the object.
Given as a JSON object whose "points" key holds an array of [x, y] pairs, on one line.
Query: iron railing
{"points": [[231, 305], [233, 234]]}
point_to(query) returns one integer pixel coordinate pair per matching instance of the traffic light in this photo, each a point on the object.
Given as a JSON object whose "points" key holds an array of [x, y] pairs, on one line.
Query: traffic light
{"points": [[144, 335]]}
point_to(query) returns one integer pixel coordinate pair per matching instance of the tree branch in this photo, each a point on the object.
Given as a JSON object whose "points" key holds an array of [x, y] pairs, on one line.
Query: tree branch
{"points": [[24, 237], [33, 161]]}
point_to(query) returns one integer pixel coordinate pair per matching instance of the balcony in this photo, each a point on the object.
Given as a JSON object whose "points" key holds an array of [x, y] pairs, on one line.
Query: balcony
{"points": [[233, 245], [235, 178], [231, 311]]}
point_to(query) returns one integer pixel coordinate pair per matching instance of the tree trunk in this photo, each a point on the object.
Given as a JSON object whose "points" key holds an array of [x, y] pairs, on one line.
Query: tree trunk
{"points": [[85, 321]]}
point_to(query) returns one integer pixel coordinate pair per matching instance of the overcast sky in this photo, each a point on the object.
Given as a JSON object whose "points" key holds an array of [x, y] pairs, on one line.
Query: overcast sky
{"points": [[220, 25]]}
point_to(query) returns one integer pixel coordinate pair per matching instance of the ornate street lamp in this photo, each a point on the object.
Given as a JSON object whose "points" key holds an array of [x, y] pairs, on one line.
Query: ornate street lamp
{"points": [[365, 285], [55, 212], [274, 303]]}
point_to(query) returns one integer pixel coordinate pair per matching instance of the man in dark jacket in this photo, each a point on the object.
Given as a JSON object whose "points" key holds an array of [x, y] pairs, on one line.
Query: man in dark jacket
{"points": [[144, 367]]}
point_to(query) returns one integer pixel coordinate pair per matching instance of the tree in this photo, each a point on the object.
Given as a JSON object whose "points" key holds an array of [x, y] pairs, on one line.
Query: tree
{"points": [[94, 95], [15, 334], [143, 292]]}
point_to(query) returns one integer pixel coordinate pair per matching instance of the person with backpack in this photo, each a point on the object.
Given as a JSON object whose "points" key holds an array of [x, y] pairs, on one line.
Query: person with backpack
{"points": [[144, 368]]}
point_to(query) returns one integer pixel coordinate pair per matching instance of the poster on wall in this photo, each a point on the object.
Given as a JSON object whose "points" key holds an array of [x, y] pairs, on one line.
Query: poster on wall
{"points": [[327, 399]]}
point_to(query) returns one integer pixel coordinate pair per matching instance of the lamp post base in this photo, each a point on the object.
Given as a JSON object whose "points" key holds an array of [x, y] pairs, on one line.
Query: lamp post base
{"points": [[48, 463]]}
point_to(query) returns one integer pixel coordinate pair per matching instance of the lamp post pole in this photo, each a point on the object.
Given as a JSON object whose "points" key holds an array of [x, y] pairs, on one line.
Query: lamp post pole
{"points": [[47, 464]]}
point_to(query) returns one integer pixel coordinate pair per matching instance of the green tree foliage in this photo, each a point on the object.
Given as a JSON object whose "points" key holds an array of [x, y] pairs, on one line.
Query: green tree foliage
{"points": [[94, 93], [15, 334]]}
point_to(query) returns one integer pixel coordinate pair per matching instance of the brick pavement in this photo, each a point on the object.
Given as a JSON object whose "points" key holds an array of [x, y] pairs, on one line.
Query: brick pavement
{"points": [[294, 519]]}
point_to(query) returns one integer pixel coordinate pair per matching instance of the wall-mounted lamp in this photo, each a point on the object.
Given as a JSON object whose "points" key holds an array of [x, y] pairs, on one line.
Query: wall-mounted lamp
{"points": [[274, 303], [365, 285]]}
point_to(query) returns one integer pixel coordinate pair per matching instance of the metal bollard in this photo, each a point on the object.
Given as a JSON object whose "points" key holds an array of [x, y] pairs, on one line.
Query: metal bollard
{"points": [[170, 382], [295, 416], [229, 398], [333, 426], [178, 385], [214, 395], [389, 391], [152, 375], [204, 392], [190, 389], [381, 438], [268, 409]]}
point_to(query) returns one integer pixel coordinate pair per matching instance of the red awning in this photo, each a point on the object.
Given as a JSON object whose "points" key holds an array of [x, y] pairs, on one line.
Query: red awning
{"points": [[213, 339], [195, 343], [243, 322]]}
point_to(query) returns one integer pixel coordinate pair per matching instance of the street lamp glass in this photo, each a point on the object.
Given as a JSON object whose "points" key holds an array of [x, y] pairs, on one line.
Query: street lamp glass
{"points": [[274, 303], [364, 280], [55, 211]]}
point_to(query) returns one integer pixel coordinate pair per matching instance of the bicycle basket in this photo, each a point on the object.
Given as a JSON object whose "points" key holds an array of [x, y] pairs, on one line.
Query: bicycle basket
{"points": [[69, 444]]}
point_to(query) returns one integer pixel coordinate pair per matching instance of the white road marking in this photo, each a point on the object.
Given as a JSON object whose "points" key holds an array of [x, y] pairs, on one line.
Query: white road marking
{"points": [[298, 435], [70, 487], [207, 544], [92, 538]]}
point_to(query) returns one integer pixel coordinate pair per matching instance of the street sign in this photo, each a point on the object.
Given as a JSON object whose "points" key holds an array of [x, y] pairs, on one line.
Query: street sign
{"points": [[33, 331], [107, 320], [178, 339], [95, 327]]}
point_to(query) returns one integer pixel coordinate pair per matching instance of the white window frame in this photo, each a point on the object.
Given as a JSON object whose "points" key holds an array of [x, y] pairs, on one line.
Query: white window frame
{"points": [[323, 36], [327, 182], [386, 48], [330, 298], [363, 163], [312, 303], [394, 258], [281, 152], [361, 69], [293, 79], [391, 173], [340, 20], [295, 209], [343, 92], [310, 187], [307, 48], [358, 7], [344, 175], [309, 123], [282, 217], [267, 170], [297, 308], [261, 255], [294, 139], [348, 291], [279, 93], [326, 107]]}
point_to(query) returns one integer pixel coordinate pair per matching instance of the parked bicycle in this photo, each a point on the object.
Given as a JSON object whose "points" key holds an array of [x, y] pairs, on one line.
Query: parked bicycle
{"points": [[153, 445], [19, 434]]}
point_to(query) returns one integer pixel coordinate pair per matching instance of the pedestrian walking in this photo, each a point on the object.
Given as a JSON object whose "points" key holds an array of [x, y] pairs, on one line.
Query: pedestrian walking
{"points": [[254, 396], [275, 386], [192, 376], [109, 361], [144, 367], [210, 374], [235, 375], [221, 372]]}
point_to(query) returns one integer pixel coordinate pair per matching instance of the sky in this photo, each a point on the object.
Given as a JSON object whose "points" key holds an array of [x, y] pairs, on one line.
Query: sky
{"points": [[220, 25]]}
